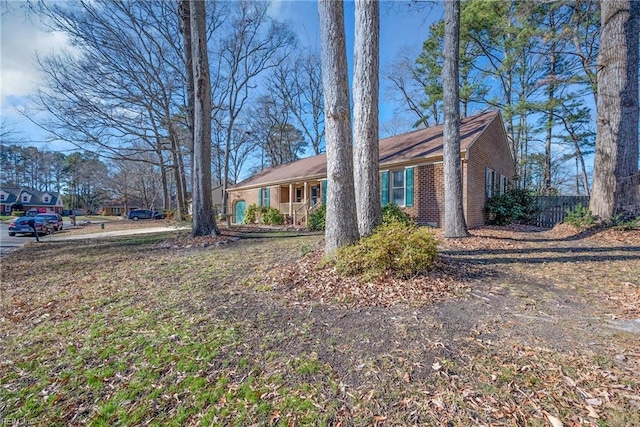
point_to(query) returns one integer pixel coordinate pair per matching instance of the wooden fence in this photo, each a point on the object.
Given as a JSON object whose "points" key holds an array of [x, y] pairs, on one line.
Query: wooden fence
{"points": [[553, 209]]}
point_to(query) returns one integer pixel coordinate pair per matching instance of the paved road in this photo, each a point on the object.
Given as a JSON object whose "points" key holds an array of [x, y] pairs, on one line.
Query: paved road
{"points": [[8, 243]]}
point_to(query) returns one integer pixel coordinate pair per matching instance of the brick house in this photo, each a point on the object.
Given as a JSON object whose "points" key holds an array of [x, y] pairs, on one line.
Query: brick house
{"points": [[411, 175], [42, 201], [120, 206]]}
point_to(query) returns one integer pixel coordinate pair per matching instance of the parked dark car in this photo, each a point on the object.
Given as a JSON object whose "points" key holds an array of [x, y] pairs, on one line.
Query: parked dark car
{"points": [[159, 215], [21, 226], [137, 214], [54, 218]]}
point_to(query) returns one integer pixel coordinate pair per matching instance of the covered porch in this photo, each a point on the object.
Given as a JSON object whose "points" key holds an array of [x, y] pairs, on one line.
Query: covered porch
{"points": [[297, 200]]}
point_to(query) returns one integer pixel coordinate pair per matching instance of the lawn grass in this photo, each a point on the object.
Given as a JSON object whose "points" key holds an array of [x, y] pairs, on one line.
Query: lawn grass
{"points": [[127, 332]]}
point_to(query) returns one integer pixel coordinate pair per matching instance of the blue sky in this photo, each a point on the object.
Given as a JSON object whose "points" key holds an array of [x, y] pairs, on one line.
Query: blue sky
{"points": [[403, 28]]}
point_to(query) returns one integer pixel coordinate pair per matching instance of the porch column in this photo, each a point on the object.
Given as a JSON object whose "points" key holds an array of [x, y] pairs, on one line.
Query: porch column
{"points": [[290, 199], [306, 197], [306, 200]]}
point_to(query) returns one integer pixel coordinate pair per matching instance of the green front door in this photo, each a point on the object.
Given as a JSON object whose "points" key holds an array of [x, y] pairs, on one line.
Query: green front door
{"points": [[241, 207]]}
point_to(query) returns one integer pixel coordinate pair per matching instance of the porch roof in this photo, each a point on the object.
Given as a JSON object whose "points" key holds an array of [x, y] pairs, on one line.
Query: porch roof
{"points": [[409, 148]]}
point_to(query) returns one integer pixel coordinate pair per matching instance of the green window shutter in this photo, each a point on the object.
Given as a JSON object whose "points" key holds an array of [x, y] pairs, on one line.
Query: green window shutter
{"points": [[267, 197], [384, 184], [259, 196], [324, 191], [408, 189], [487, 183]]}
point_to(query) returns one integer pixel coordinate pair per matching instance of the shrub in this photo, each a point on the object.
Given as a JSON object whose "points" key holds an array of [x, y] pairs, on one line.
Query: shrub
{"points": [[251, 214], [272, 216], [402, 250], [625, 221], [263, 214], [580, 216], [317, 219], [392, 213], [515, 205]]}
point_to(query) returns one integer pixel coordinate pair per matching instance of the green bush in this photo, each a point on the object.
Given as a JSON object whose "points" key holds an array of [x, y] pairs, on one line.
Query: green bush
{"points": [[252, 213], [515, 205], [625, 221], [272, 216], [317, 219], [392, 213], [402, 250], [580, 216], [263, 214]]}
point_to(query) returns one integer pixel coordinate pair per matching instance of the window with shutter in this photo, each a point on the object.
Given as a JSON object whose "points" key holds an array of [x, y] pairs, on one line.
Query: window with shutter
{"points": [[324, 191], [488, 184], [397, 187], [408, 198], [384, 185]]}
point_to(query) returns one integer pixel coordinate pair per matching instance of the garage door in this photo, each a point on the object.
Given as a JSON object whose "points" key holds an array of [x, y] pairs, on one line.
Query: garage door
{"points": [[241, 207]]}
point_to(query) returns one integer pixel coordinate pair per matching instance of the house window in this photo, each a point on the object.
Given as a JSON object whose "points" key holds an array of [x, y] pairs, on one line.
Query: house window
{"points": [[1, 196], [397, 187], [46, 199], [7, 208], [315, 194], [489, 183], [116, 211], [504, 183], [25, 199], [298, 195], [264, 197]]}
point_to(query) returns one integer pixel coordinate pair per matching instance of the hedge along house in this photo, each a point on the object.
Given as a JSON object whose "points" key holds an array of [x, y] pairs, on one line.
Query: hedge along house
{"points": [[411, 175]]}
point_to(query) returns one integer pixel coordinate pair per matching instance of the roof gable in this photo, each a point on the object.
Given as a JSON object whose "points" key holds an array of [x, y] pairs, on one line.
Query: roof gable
{"points": [[419, 146], [10, 195]]}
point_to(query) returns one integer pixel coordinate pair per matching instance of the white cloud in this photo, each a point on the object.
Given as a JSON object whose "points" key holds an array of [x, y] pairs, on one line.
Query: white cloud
{"points": [[21, 38]]}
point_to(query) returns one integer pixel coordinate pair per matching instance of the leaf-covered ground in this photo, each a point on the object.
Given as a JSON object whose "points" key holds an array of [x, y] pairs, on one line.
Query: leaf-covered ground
{"points": [[513, 327]]}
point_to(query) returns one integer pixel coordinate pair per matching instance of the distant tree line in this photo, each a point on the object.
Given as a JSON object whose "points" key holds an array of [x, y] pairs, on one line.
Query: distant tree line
{"points": [[80, 177], [83, 179]]}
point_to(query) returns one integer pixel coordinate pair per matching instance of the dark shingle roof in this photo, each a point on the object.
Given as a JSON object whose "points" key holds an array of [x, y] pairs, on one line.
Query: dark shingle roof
{"points": [[13, 193], [412, 147]]}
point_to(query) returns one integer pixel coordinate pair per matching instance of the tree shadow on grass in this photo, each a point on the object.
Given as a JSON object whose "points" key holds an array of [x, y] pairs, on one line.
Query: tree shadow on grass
{"points": [[569, 254], [526, 235]]}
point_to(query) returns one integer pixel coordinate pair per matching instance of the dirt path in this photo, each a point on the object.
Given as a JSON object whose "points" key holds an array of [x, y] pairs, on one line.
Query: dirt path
{"points": [[565, 291]]}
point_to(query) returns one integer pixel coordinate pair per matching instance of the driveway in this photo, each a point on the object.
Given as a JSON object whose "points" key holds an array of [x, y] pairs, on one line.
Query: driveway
{"points": [[60, 238], [10, 243]]}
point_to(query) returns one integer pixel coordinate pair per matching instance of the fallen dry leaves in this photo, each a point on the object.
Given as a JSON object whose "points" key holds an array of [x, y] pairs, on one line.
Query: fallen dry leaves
{"points": [[427, 372], [309, 281]]}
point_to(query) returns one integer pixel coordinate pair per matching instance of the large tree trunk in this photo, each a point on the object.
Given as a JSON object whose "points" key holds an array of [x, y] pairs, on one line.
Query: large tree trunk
{"points": [[546, 186], [184, 10], [185, 28], [203, 220], [341, 224], [179, 176], [454, 224], [365, 116], [615, 176]]}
